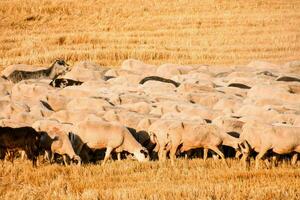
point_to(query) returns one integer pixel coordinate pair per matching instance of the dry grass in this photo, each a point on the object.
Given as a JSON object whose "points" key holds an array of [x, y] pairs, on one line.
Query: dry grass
{"points": [[190, 179], [189, 32]]}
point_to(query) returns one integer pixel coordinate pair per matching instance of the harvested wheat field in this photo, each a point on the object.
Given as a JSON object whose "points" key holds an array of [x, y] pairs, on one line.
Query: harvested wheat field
{"points": [[188, 179], [92, 108], [183, 32]]}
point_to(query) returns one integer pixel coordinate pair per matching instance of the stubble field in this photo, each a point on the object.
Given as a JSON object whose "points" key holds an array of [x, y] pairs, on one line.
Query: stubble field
{"points": [[183, 32], [188, 179]]}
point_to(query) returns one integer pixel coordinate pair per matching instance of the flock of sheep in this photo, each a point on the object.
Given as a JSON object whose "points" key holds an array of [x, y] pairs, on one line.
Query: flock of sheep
{"points": [[138, 110]]}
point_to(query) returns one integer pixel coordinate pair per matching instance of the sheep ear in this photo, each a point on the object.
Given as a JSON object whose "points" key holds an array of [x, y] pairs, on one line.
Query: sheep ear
{"points": [[55, 138]]}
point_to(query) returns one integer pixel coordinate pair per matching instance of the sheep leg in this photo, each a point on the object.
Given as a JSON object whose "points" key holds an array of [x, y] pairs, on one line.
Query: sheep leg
{"points": [[294, 159], [107, 155], [222, 150], [274, 161], [215, 156], [173, 154], [267, 163], [259, 156], [237, 154], [65, 160], [32, 155], [119, 156], [11, 157], [48, 156], [22, 155], [217, 150], [51, 157], [34, 161], [162, 154], [246, 161], [36, 154], [186, 156], [5, 158], [167, 149], [205, 152]]}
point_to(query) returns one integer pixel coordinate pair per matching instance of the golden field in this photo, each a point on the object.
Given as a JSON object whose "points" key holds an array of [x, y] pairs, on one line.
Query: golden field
{"points": [[188, 179], [215, 32], [188, 32]]}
